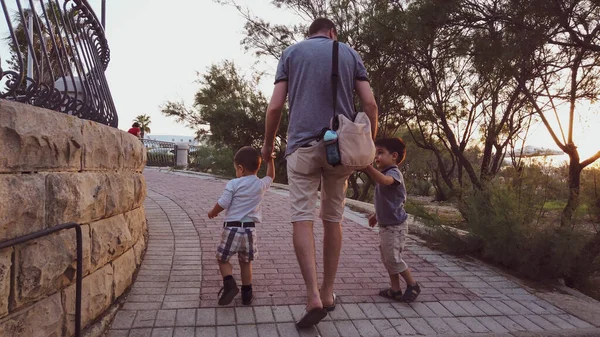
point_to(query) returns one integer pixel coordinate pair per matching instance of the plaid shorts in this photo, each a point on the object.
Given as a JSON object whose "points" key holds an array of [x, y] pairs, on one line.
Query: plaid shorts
{"points": [[240, 241]]}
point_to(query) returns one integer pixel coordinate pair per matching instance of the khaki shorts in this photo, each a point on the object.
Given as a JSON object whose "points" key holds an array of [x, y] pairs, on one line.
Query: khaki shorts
{"points": [[307, 167], [391, 245]]}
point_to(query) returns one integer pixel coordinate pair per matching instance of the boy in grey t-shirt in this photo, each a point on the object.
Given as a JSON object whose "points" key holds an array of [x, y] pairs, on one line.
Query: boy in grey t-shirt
{"points": [[390, 195]]}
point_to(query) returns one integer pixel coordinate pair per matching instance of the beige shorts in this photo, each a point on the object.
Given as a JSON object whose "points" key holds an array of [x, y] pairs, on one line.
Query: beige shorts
{"points": [[307, 167], [391, 245]]}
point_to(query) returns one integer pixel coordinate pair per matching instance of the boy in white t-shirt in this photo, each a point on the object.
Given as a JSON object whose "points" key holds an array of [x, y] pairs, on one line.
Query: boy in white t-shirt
{"points": [[242, 198]]}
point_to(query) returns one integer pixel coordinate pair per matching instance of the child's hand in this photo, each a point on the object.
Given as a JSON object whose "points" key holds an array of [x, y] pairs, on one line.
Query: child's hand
{"points": [[372, 220]]}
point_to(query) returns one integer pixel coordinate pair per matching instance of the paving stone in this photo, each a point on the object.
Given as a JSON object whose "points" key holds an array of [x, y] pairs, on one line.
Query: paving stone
{"points": [[206, 331], [526, 323], [559, 322], [338, 314], [225, 316], [503, 308], [421, 326], [509, 324], [491, 324], [267, 330], [471, 308], [473, 324], [141, 306], [180, 305], [162, 332], [226, 331], [353, 311], [283, 314], [205, 317], [438, 309], [346, 329], [165, 318], [327, 329], [576, 321], [454, 308], [519, 308], [186, 317], [541, 322], [551, 308], [118, 333], [297, 311], [123, 319], [402, 326], [370, 310], [140, 332], [385, 328], [144, 319], [264, 315], [247, 330], [423, 310], [288, 330], [439, 325], [456, 325], [487, 308], [365, 328], [244, 315]]}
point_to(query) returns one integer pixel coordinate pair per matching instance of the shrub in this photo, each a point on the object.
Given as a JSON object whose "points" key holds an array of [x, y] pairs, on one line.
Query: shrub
{"points": [[506, 219]]}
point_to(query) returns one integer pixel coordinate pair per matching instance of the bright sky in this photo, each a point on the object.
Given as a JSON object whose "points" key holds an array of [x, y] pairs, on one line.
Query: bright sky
{"points": [[157, 48]]}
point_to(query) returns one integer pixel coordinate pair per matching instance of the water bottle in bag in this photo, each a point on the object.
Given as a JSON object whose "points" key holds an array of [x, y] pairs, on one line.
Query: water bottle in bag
{"points": [[332, 151]]}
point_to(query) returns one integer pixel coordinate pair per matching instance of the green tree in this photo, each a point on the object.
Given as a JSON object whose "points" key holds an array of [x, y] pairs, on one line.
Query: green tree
{"points": [[234, 109], [144, 121]]}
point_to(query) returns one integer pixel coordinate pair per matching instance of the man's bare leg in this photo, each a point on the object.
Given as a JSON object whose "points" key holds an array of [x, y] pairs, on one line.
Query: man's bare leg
{"points": [[304, 245], [332, 246]]}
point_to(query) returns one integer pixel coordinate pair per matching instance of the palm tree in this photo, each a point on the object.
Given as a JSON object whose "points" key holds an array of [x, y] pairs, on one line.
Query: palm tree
{"points": [[144, 121]]}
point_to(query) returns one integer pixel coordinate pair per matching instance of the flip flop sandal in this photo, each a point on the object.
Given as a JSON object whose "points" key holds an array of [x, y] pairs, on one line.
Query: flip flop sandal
{"points": [[389, 293], [311, 318], [332, 306]]}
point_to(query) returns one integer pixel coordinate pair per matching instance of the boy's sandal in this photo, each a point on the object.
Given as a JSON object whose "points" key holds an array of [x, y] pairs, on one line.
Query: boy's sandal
{"points": [[311, 318], [389, 293], [331, 307], [411, 293]]}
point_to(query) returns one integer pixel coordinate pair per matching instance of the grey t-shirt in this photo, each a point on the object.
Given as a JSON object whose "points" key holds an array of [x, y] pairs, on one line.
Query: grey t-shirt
{"points": [[389, 199], [306, 66]]}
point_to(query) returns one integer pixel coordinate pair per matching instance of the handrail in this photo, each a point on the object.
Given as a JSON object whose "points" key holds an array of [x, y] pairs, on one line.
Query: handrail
{"points": [[79, 271]]}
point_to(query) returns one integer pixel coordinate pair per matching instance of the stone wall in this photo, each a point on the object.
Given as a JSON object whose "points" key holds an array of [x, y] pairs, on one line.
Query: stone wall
{"points": [[55, 168]]}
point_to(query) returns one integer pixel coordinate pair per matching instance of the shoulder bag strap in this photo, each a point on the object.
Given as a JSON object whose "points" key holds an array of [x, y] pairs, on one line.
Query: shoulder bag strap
{"points": [[334, 81]]}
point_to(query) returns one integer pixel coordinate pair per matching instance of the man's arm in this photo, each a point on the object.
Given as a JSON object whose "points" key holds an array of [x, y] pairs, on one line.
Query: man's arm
{"points": [[379, 177], [273, 118], [367, 100]]}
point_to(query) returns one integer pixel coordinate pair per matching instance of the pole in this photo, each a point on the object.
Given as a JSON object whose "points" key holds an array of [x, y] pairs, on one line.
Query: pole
{"points": [[30, 51], [104, 14]]}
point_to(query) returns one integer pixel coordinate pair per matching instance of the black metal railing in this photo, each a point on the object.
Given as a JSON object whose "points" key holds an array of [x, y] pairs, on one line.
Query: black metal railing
{"points": [[57, 57], [79, 255], [160, 153]]}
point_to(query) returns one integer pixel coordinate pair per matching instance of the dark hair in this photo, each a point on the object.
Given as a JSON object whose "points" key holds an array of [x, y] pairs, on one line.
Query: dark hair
{"points": [[248, 157], [321, 24], [393, 145], [136, 125]]}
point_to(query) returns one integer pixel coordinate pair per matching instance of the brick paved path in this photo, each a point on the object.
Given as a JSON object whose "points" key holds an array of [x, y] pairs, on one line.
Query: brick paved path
{"points": [[175, 293]]}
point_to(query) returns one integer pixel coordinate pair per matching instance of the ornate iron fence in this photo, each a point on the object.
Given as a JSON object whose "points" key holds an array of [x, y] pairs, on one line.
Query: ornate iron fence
{"points": [[160, 153], [57, 57]]}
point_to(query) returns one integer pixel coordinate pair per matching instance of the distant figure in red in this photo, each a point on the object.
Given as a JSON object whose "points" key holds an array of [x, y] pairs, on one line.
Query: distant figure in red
{"points": [[135, 130]]}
